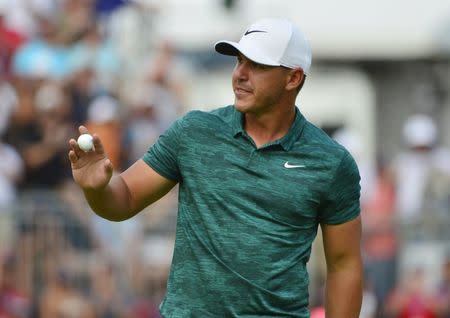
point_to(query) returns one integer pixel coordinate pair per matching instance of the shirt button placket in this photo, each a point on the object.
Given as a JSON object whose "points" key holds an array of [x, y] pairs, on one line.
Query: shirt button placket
{"points": [[253, 158]]}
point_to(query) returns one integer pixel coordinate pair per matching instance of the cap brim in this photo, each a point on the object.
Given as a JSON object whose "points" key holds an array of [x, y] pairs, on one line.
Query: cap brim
{"points": [[227, 48], [233, 49]]}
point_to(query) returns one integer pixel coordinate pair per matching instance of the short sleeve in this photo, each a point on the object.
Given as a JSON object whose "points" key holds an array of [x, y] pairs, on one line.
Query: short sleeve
{"points": [[342, 200], [163, 155]]}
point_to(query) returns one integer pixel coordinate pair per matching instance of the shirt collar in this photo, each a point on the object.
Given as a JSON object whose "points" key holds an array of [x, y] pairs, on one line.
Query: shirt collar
{"points": [[238, 119], [287, 141]]}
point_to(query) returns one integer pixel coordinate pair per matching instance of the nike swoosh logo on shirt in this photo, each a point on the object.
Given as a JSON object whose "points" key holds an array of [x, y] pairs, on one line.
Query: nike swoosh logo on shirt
{"points": [[253, 31], [289, 166]]}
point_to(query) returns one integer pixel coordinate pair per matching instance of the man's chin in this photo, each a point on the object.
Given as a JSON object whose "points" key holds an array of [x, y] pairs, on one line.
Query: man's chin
{"points": [[241, 107]]}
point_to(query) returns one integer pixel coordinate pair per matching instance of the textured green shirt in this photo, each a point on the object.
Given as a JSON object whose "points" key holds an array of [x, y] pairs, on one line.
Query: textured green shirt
{"points": [[247, 216]]}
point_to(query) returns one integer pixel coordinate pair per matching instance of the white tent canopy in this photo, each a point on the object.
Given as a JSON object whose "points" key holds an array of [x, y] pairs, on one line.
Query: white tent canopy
{"points": [[337, 29]]}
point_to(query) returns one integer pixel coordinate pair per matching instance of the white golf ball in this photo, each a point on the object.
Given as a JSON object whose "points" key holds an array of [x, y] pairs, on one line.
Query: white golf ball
{"points": [[85, 142]]}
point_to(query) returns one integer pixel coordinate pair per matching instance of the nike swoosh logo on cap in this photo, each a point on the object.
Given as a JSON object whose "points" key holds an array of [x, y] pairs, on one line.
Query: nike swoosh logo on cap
{"points": [[253, 31], [289, 166]]}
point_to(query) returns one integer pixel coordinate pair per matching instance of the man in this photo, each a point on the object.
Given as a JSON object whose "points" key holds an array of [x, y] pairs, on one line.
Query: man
{"points": [[255, 180]]}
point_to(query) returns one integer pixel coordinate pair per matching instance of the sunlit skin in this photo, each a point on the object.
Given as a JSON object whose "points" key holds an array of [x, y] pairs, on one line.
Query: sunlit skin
{"points": [[266, 95], [257, 87]]}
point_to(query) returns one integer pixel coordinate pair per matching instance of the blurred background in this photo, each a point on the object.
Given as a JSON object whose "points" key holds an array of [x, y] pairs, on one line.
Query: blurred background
{"points": [[379, 85]]}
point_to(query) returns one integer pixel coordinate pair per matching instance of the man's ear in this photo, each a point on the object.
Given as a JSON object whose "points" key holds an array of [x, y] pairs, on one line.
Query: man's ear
{"points": [[295, 79]]}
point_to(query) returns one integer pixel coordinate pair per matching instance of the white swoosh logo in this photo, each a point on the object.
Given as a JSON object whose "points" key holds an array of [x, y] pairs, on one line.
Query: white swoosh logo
{"points": [[289, 166]]}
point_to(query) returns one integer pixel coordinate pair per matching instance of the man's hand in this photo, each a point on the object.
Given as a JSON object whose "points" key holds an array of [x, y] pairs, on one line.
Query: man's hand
{"points": [[91, 170]]}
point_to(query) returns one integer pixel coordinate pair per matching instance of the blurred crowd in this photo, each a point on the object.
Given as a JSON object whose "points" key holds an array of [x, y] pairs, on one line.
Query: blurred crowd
{"points": [[69, 62], [62, 64], [405, 206]]}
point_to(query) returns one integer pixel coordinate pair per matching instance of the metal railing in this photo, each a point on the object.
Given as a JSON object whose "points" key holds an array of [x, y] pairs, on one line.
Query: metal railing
{"points": [[48, 242]]}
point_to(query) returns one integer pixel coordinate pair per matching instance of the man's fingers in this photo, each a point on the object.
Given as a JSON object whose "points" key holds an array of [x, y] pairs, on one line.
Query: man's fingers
{"points": [[72, 156], [108, 166], [74, 146], [83, 130], [98, 146]]}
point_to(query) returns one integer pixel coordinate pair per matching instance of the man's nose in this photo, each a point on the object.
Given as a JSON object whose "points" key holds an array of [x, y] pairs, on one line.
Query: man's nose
{"points": [[241, 70]]}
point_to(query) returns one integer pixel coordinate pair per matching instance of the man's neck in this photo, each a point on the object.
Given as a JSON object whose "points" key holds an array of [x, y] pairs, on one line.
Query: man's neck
{"points": [[270, 126]]}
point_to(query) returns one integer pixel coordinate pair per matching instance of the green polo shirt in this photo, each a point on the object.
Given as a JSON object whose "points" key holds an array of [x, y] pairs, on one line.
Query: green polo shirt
{"points": [[247, 216]]}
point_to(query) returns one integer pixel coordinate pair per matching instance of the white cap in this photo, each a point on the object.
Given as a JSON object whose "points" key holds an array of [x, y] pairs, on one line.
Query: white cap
{"points": [[419, 130], [271, 41]]}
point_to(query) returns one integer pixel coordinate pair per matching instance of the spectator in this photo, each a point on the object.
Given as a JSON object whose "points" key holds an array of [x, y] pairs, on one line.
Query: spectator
{"points": [[104, 120], [155, 101], [158, 89], [131, 30], [351, 139], [443, 294], [166, 89], [61, 299], [11, 165], [8, 104], [380, 241], [10, 40], [142, 126], [19, 16], [76, 16], [94, 51], [40, 137], [106, 292], [369, 306], [43, 56], [415, 173], [411, 299], [14, 303], [81, 90]]}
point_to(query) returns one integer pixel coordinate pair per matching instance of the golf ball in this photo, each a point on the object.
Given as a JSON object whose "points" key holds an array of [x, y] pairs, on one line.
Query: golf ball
{"points": [[85, 142]]}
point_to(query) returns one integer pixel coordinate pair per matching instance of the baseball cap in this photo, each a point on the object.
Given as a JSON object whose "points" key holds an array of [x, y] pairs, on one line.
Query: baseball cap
{"points": [[419, 130], [271, 41]]}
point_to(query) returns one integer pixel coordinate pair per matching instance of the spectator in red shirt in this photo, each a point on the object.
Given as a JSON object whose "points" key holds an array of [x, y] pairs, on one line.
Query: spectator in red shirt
{"points": [[10, 41], [411, 298], [13, 302]]}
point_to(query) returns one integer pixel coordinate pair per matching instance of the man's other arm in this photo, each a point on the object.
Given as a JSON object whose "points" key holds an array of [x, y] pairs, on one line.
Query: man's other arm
{"points": [[343, 293]]}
